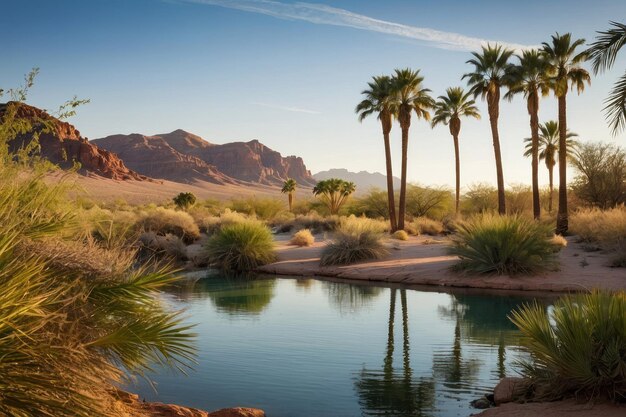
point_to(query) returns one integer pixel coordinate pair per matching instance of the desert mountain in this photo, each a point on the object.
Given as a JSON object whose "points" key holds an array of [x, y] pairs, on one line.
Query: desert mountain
{"points": [[364, 180], [250, 162], [63, 145]]}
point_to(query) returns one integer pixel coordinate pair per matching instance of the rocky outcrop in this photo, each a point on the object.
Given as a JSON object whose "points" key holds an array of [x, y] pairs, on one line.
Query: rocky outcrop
{"points": [[62, 144], [180, 155], [155, 157]]}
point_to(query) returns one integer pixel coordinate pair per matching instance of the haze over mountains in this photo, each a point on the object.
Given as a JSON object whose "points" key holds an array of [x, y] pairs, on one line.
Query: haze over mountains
{"points": [[364, 180]]}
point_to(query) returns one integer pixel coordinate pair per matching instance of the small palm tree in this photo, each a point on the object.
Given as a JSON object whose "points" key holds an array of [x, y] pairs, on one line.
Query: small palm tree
{"points": [[603, 53], [530, 78], [565, 72], [289, 188], [448, 110], [378, 97], [548, 149], [409, 96], [491, 71], [334, 192]]}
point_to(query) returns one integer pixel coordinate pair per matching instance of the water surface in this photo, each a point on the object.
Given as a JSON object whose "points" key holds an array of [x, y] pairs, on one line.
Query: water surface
{"points": [[307, 348]]}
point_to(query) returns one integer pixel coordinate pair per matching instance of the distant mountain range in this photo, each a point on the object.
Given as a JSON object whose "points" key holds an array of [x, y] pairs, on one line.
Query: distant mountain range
{"points": [[364, 180]]}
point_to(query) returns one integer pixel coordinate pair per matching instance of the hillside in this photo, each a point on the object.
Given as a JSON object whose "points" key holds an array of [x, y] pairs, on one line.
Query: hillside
{"points": [[364, 180]]}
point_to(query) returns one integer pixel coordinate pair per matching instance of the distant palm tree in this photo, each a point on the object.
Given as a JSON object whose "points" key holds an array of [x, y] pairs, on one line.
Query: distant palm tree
{"points": [[491, 68], [565, 71], [377, 100], [448, 110], [530, 78], [409, 96], [289, 188], [548, 149], [603, 53], [334, 193]]}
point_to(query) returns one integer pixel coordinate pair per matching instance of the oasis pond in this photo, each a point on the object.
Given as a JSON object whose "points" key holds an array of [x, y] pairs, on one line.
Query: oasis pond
{"points": [[310, 348]]}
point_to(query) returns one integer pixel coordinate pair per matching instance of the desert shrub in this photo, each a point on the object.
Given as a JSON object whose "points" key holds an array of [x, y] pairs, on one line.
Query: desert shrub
{"points": [[426, 226], [312, 221], [374, 204], [354, 225], [434, 202], [607, 227], [163, 221], [400, 235], [241, 247], [168, 246], [348, 248], [213, 224], [558, 241], [479, 198], [262, 208], [601, 179], [184, 200], [519, 199], [304, 206], [577, 348], [503, 245], [302, 238]]}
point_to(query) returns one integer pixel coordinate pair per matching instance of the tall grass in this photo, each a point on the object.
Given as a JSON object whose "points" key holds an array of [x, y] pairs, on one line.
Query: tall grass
{"points": [[578, 348], [241, 247], [358, 239], [163, 221], [606, 228], [502, 245]]}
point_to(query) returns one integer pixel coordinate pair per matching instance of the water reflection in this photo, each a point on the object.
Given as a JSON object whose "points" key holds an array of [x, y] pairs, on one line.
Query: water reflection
{"points": [[351, 298], [390, 391]]}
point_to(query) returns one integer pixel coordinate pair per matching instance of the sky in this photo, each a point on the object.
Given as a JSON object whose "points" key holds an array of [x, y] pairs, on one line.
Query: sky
{"points": [[290, 73]]}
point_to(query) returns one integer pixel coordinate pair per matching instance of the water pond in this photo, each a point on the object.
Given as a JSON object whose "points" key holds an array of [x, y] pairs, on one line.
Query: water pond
{"points": [[309, 348]]}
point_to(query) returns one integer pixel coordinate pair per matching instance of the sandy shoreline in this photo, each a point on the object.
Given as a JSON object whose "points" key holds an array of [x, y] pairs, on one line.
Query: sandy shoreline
{"points": [[423, 260]]}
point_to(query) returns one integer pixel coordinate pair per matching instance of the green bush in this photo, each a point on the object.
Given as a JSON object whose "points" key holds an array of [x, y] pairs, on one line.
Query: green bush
{"points": [[262, 208], [184, 200], [348, 248], [578, 348], [434, 202], [503, 245], [374, 204], [241, 247]]}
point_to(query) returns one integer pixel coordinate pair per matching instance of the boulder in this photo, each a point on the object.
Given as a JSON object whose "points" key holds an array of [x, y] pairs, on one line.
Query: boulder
{"points": [[510, 389], [238, 412]]}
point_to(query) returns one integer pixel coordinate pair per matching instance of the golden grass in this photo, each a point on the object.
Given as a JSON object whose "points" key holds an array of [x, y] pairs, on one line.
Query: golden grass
{"points": [[605, 227], [302, 237], [400, 235]]}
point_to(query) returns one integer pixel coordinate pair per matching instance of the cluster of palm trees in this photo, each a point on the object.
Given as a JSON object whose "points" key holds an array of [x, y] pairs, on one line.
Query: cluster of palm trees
{"points": [[554, 67]]}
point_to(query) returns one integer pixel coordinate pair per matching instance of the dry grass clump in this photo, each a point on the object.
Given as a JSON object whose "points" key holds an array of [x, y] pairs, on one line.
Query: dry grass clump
{"points": [[212, 224], [400, 235], [426, 226], [302, 237], [558, 241], [348, 248], [606, 228], [262, 208], [168, 246], [312, 221], [356, 225], [163, 221]]}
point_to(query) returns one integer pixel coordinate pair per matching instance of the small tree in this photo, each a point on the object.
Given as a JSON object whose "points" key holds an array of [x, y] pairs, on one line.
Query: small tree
{"points": [[289, 188], [184, 200], [334, 193]]}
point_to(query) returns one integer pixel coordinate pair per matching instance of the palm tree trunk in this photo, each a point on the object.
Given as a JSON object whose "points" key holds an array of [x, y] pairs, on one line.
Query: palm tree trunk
{"points": [[390, 195], [405, 150], [389, 357], [562, 216], [551, 177], [492, 104], [534, 130], [405, 339], [290, 202], [457, 161]]}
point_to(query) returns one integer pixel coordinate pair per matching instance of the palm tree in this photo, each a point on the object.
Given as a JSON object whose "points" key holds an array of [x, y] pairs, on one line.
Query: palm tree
{"points": [[603, 53], [289, 188], [377, 100], [548, 148], [529, 77], [491, 69], [565, 71], [334, 193], [409, 96], [448, 110]]}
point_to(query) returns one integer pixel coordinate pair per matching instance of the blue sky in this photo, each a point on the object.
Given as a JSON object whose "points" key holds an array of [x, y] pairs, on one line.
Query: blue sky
{"points": [[290, 74]]}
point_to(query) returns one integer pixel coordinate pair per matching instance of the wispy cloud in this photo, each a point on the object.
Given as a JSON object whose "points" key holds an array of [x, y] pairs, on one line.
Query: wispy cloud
{"points": [[326, 15], [285, 108]]}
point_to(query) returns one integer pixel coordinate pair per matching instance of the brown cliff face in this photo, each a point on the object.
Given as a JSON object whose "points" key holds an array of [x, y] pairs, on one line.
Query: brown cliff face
{"points": [[250, 162], [62, 144]]}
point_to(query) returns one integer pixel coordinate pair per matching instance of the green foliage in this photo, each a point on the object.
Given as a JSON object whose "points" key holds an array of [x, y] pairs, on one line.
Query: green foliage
{"points": [[289, 186], [263, 208], [434, 202], [601, 179], [505, 245], [334, 193], [374, 204], [184, 200], [479, 198], [578, 348], [241, 247]]}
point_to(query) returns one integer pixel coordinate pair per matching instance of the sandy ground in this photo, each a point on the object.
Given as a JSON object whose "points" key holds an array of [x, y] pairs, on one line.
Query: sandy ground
{"points": [[556, 409], [423, 261]]}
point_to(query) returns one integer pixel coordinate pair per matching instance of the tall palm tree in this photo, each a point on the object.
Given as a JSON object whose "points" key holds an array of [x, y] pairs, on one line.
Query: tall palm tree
{"points": [[548, 149], [289, 188], [448, 110], [530, 78], [565, 72], [378, 97], [409, 96], [603, 53], [491, 68]]}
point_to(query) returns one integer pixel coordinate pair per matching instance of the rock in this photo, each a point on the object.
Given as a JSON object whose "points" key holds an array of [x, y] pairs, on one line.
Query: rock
{"points": [[481, 403], [510, 389], [62, 144], [238, 412]]}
